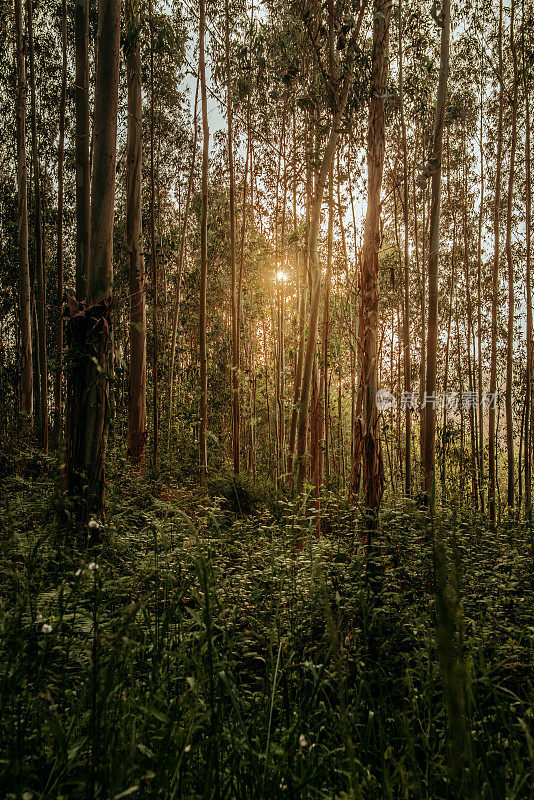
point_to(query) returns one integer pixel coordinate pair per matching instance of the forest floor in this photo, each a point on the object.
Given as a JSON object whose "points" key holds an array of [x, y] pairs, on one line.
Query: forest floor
{"points": [[199, 652]]}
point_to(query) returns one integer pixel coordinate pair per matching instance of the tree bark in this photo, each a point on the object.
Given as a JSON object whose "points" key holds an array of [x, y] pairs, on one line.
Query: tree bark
{"points": [[373, 470], [155, 342], [58, 401], [181, 256], [433, 258], [82, 145], [529, 410], [406, 298], [236, 446], [510, 443], [479, 311], [137, 432], [203, 451], [39, 260], [26, 365], [302, 280], [90, 323], [492, 454]]}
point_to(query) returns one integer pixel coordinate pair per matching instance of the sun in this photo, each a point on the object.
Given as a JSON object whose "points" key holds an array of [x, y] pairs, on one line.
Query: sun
{"points": [[281, 276]]}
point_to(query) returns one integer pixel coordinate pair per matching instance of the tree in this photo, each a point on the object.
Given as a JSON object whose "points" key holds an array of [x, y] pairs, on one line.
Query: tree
{"points": [[38, 233], [137, 433], [406, 298], [58, 399], [233, 300], [90, 322], [26, 367], [529, 408], [433, 169], [82, 144], [373, 471], [338, 87], [153, 260], [203, 449], [495, 288], [510, 438]]}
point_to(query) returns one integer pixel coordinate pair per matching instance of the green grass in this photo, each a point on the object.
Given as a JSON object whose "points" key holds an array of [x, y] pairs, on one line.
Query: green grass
{"points": [[217, 655]]}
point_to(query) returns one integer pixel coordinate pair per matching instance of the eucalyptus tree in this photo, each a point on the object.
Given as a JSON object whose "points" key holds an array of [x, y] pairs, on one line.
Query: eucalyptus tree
{"points": [[433, 170], [137, 429], [510, 438], [492, 455], [26, 363], [82, 146], [90, 322], [332, 32], [42, 361], [373, 471], [203, 431]]}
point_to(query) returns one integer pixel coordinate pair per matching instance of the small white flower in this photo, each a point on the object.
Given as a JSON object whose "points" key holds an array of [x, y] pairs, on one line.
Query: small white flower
{"points": [[187, 748], [46, 628], [302, 740], [93, 525], [92, 566], [78, 572]]}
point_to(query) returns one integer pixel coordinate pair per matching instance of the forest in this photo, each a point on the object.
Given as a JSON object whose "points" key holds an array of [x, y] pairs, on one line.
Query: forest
{"points": [[266, 400]]}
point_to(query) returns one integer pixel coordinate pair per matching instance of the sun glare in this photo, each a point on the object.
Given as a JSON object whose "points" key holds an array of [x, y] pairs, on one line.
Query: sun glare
{"points": [[281, 276]]}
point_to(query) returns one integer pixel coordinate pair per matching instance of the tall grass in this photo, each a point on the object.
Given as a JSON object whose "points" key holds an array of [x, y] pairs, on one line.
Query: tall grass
{"points": [[201, 654]]}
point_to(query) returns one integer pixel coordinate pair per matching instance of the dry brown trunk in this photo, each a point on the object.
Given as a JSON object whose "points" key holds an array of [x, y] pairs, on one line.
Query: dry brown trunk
{"points": [[26, 366], [479, 313], [155, 336], [510, 443], [203, 450], [58, 402], [39, 246], [492, 455], [406, 298], [137, 432], [529, 410], [373, 469], [235, 349], [82, 146], [433, 257], [176, 315], [90, 323]]}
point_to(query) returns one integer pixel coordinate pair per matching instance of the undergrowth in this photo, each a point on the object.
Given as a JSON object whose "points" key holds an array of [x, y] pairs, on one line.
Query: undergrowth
{"points": [[199, 653]]}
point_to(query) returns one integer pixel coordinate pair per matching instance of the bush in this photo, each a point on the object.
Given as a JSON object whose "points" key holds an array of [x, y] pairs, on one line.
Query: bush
{"points": [[240, 494]]}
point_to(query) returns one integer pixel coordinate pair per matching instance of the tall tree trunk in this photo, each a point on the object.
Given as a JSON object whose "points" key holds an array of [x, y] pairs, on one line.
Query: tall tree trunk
{"points": [[90, 324], [323, 392], [432, 336], [492, 454], [155, 342], [137, 432], [302, 298], [529, 410], [406, 298], [181, 255], [315, 299], [58, 402], [26, 366], [479, 310], [235, 354], [510, 443], [373, 470], [39, 260], [315, 270], [203, 450], [82, 146]]}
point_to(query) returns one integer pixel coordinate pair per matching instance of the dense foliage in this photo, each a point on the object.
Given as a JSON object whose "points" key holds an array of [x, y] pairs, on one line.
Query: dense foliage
{"points": [[199, 652]]}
